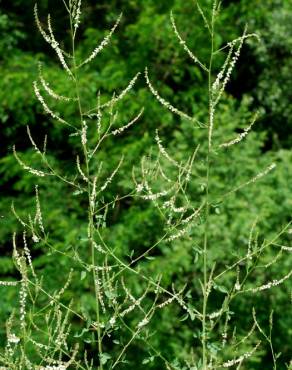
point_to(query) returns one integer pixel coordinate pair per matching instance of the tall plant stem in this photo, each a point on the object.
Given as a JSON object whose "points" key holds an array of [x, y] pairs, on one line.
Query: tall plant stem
{"points": [[207, 197], [91, 210]]}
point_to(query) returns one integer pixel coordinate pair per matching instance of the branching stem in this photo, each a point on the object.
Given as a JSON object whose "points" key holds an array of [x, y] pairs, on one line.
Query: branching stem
{"points": [[207, 196], [91, 210]]}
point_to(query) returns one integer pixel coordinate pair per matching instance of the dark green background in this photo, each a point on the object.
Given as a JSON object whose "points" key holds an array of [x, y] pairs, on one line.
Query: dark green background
{"points": [[262, 81]]}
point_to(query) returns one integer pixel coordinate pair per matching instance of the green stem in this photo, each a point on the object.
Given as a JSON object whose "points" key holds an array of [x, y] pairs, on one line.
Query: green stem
{"points": [[207, 209], [89, 193]]}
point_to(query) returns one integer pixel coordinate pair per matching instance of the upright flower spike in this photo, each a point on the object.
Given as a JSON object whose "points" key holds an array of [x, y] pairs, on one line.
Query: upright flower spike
{"points": [[49, 90], [103, 44], [40, 28], [50, 39], [162, 101], [46, 108], [76, 13], [184, 45], [55, 45], [240, 136], [120, 130]]}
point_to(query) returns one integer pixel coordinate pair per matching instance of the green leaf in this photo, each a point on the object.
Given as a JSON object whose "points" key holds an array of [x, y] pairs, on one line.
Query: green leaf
{"points": [[221, 288], [104, 357]]}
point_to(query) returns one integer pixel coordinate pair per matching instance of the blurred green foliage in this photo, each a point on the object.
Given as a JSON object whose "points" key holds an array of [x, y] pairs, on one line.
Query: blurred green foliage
{"points": [[262, 81]]}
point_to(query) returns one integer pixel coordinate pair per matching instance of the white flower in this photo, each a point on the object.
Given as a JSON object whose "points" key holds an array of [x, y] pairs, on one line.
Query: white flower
{"points": [[142, 323], [139, 188], [35, 238], [12, 338], [237, 286], [112, 321]]}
